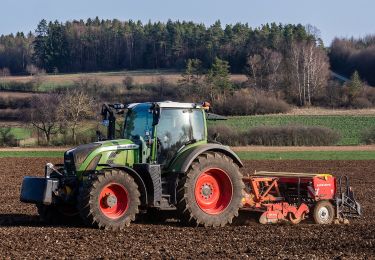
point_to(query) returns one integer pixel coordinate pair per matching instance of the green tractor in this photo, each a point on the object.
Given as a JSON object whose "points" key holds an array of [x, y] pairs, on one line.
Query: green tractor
{"points": [[163, 162]]}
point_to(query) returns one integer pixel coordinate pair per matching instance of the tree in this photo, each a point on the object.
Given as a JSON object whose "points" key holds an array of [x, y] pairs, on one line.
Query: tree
{"points": [[6, 137], [40, 55], [255, 69], [218, 80], [264, 71], [34, 70], [128, 82], [4, 72], [354, 87], [310, 70], [193, 72], [75, 106], [43, 115]]}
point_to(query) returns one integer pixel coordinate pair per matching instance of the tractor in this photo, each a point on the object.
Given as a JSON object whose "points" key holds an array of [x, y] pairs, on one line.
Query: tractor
{"points": [[164, 162]]}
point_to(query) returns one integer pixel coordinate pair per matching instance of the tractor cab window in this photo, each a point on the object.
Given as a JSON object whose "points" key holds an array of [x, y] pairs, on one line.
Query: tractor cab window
{"points": [[177, 128], [138, 123]]}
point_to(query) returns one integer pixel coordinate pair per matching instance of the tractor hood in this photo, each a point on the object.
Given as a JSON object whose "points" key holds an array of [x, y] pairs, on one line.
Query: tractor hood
{"points": [[75, 157]]}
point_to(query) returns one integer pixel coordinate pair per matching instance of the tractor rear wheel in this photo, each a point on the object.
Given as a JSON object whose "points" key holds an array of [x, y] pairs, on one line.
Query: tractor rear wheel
{"points": [[324, 212], [110, 201], [210, 193]]}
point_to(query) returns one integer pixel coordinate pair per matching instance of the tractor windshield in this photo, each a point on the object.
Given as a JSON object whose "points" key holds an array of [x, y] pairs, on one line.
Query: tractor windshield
{"points": [[178, 127], [138, 122]]}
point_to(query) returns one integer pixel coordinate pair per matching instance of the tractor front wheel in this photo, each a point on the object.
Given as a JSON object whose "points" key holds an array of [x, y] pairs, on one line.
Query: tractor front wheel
{"points": [[110, 201], [210, 193]]}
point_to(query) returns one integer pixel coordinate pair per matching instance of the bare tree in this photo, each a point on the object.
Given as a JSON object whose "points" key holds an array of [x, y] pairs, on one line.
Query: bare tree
{"points": [[75, 106], [310, 70], [255, 65], [264, 69], [296, 68], [272, 61], [43, 115], [4, 72], [34, 70]]}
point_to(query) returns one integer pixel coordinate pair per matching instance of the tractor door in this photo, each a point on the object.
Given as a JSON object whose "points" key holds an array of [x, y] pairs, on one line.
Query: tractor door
{"points": [[139, 128], [177, 128]]}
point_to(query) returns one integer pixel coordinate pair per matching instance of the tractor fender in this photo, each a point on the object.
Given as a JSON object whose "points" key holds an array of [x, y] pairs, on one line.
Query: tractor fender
{"points": [[190, 155], [137, 178]]}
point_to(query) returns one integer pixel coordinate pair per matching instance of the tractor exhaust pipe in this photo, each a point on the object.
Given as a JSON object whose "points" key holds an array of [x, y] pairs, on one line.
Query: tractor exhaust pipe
{"points": [[109, 118]]}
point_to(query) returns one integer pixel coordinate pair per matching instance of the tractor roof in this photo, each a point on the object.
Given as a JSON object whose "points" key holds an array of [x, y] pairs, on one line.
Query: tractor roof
{"points": [[169, 104]]}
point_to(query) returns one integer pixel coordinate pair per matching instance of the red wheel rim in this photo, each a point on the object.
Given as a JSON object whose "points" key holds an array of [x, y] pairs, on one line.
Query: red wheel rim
{"points": [[113, 200], [213, 191]]}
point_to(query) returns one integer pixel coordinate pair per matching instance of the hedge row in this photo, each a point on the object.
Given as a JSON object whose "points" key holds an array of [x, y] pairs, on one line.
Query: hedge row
{"points": [[368, 136], [276, 136]]}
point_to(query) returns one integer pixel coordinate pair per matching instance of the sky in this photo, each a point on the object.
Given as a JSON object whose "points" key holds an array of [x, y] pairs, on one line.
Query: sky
{"points": [[334, 18]]}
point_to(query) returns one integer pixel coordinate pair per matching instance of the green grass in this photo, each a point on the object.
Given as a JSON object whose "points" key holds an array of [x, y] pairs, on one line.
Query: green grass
{"points": [[20, 133], [308, 155], [48, 86], [350, 127], [51, 154]]}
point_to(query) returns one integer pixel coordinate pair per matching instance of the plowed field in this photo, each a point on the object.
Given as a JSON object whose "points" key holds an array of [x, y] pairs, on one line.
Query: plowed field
{"points": [[22, 236]]}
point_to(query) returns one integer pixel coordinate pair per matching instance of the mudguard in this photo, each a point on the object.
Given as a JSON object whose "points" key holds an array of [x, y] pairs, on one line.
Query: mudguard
{"points": [[182, 163]]}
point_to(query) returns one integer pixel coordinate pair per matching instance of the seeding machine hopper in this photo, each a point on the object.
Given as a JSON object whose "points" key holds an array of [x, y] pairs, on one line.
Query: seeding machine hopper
{"points": [[286, 196], [164, 161]]}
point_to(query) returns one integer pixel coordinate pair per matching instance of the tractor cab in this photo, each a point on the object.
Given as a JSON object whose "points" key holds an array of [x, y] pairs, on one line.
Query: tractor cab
{"points": [[163, 129]]}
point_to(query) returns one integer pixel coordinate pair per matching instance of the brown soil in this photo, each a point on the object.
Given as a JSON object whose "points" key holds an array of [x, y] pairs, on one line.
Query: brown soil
{"points": [[22, 236]]}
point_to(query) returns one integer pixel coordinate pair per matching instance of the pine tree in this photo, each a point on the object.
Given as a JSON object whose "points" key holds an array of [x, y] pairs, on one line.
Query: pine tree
{"points": [[40, 57], [354, 87], [218, 79]]}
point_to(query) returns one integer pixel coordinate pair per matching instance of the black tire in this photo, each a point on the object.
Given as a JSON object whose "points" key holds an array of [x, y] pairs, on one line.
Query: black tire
{"points": [[324, 213], [93, 212], [188, 193], [54, 214]]}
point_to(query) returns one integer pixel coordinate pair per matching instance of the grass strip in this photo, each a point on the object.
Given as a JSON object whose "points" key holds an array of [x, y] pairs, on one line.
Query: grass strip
{"points": [[51, 154]]}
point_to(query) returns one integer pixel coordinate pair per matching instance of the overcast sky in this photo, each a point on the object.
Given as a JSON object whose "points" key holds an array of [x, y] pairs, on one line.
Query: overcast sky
{"points": [[341, 18]]}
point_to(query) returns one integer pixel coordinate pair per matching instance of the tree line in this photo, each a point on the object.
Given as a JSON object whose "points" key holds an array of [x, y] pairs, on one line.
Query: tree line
{"points": [[94, 44], [350, 55]]}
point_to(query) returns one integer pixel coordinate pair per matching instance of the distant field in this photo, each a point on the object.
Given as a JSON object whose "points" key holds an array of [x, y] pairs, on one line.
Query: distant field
{"points": [[140, 77], [349, 126]]}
